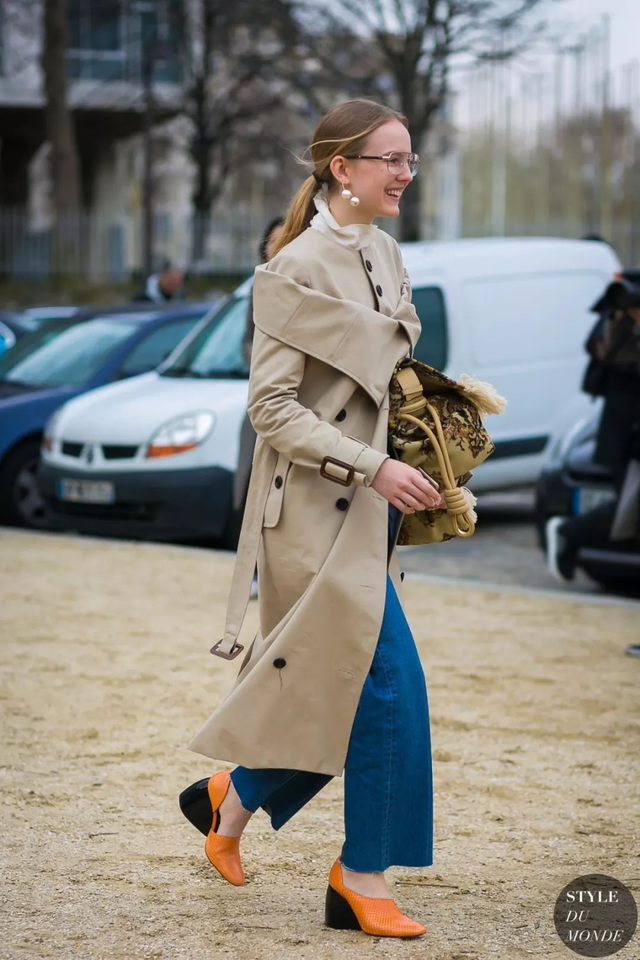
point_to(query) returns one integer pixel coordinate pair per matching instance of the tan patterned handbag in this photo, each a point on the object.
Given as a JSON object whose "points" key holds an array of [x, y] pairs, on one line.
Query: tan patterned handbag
{"points": [[435, 423]]}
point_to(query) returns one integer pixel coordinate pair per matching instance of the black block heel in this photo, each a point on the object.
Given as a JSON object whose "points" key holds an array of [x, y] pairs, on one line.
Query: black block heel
{"points": [[337, 912], [196, 806]]}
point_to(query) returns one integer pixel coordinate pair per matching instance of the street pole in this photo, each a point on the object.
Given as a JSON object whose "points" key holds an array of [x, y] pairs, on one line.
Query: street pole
{"points": [[606, 133], [147, 150]]}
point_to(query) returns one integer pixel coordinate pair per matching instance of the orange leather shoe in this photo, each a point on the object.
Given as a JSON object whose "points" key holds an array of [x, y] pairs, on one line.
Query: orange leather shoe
{"points": [[223, 852], [200, 804], [347, 910]]}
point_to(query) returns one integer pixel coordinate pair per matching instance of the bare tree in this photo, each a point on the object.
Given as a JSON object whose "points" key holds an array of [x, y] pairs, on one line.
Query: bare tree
{"points": [[412, 46], [234, 53], [65, 173]]}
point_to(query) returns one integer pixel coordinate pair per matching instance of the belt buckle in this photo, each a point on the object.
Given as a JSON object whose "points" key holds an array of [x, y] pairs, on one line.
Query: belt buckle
{"points": [[351, 470], [233, 653]]}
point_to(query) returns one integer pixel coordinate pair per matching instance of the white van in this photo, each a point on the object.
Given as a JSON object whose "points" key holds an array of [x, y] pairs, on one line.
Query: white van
{"points": [[513, 312]]}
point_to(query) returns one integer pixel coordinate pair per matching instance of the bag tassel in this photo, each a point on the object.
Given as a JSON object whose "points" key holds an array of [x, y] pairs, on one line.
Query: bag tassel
{"points": [[484, 395]]}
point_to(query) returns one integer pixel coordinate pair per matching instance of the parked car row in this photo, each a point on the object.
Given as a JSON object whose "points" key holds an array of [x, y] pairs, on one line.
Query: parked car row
{"points": [[141, 444], [60, 360]]}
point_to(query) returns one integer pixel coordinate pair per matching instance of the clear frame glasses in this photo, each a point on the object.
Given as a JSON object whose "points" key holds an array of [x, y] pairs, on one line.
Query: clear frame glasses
{"points": [[396, 162]]}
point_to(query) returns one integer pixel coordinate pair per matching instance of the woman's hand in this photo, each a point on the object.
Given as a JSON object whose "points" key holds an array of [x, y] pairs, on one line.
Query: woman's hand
{"points": [[406, 488]]}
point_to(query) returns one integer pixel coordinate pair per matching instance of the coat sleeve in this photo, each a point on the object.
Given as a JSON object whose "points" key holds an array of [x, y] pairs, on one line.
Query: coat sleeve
{"points": [[291, 428]]}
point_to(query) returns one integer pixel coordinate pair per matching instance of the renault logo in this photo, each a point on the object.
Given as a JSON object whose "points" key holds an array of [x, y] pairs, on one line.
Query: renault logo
{"points": [[90, 454]]}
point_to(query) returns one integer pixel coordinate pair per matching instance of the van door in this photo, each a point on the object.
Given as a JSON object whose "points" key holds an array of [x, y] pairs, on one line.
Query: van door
{"points": [[525, 334]]}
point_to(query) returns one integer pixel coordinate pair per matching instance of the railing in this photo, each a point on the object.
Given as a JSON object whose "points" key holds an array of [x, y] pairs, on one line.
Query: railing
{"points": [[100, 248], [110, 248]]}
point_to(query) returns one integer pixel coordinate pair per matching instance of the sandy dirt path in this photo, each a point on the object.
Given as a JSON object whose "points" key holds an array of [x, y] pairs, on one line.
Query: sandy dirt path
{"points": [[106, 676]]}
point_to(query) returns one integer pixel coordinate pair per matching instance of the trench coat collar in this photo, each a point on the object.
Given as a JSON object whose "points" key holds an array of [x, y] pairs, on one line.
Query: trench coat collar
{"points": [[355, 236], [355, 339]]}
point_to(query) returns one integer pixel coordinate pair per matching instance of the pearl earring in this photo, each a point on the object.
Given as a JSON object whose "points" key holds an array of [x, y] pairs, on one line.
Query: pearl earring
{"points": [[346, 193]]}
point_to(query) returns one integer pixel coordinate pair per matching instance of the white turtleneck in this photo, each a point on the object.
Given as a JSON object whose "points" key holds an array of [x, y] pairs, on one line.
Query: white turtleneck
{"points": [[355, 236]]}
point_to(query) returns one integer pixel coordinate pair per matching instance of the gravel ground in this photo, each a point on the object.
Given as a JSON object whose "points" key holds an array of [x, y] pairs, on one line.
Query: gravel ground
{"points": [[106, 677]]}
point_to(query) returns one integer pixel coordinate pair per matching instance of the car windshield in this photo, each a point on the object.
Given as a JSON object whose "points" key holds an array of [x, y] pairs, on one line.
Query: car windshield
{"points": [[64, 353], [216, 351]]}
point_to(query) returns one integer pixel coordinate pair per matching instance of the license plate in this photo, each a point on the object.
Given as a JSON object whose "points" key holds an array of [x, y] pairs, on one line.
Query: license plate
{"points": [[587, 498], [86, 491]]}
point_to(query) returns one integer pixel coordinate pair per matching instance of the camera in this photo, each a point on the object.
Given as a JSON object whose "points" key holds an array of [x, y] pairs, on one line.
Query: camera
{"points": [[620, 295]]}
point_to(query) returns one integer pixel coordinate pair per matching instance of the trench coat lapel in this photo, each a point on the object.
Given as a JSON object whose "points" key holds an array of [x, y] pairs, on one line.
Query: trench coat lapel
{"points": [[334, 330]]}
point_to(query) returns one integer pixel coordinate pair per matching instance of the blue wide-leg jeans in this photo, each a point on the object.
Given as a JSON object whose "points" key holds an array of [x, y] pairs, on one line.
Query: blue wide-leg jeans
{"points": [[388, 784]]}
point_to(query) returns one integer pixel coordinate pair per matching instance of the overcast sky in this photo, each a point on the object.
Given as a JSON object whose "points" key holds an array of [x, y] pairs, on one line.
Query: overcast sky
{"points": [[625, 23]]}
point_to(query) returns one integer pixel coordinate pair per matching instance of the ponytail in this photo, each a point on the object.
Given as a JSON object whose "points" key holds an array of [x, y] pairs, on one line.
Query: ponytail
{"points": [[300, 212]]}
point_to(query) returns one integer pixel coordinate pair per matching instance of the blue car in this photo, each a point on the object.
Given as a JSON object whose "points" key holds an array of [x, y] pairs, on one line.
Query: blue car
{"points": [[61, 360], [11, 329]]}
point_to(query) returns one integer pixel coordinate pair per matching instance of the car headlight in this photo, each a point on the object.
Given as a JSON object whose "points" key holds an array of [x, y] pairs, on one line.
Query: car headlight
{"points": [[181, 434]]}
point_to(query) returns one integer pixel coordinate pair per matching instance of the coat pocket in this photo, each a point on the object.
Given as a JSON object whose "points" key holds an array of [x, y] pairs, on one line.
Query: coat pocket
{"points": [[273, 506]]}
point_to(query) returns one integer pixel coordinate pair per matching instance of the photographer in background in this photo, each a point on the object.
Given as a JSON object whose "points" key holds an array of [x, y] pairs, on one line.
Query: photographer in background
{"points": [[614, 374], [164, 286]]}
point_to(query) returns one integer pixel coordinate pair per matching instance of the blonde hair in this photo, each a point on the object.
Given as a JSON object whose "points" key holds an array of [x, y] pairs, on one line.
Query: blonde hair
{"points": [[346, 127]]}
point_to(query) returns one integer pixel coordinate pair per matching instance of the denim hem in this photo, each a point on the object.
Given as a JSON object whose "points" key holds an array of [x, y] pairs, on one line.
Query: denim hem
{"points": [[390, 863]]}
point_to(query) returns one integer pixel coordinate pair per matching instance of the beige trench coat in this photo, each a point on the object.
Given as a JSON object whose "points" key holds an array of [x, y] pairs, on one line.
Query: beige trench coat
{"points": [[331, 323]]}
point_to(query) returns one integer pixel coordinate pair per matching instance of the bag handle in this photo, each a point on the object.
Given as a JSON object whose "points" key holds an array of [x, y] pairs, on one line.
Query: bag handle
{"points": [[416, 402]]}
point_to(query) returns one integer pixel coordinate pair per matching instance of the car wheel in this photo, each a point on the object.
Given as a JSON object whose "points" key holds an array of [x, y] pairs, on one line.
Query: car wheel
{"points": [[21, 503]]}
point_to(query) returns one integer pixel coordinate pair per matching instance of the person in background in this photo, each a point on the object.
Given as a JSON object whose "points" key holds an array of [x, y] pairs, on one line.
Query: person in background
{"points": [[614, 345], [165, 286], [247, 433]]}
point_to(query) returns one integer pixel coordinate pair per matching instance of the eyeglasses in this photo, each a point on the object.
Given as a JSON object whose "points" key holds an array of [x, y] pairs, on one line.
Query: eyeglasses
{"points": [[396, 162]]}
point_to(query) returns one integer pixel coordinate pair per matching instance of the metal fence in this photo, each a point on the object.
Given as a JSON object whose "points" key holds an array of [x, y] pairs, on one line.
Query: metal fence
{"points": [[102, 248]]}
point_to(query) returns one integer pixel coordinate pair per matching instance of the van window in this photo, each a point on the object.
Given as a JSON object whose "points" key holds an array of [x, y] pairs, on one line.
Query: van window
{"points": [[431, 348]]}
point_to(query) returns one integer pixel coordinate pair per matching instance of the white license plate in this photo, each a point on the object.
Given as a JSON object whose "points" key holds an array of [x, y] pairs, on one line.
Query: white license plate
{"points": [[86, 491], [587, 498]]}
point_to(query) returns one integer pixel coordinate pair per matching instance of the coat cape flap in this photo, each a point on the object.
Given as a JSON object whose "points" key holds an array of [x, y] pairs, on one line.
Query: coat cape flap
{"points": [[334, 330]]}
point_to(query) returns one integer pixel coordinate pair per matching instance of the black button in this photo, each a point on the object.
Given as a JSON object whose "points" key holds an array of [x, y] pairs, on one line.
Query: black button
{"points": [[341, 415], [379, 290], [278, 482], [279, 662], [342, 504], [402, 575], [368, 265]]}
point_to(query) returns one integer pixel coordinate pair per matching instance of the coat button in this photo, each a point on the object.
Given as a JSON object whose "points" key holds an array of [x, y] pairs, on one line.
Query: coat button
{"points": [[402, 575], [342, 504], [369, 265], [279, 662], [379, 290], [278, 482], [341, 415]]}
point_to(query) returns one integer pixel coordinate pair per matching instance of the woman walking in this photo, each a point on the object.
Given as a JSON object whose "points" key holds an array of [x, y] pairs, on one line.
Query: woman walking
{"points": [[332, 683]]}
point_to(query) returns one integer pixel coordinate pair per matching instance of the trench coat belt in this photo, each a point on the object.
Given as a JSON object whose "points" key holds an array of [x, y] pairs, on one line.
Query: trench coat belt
{"points": [[240, 591]]}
